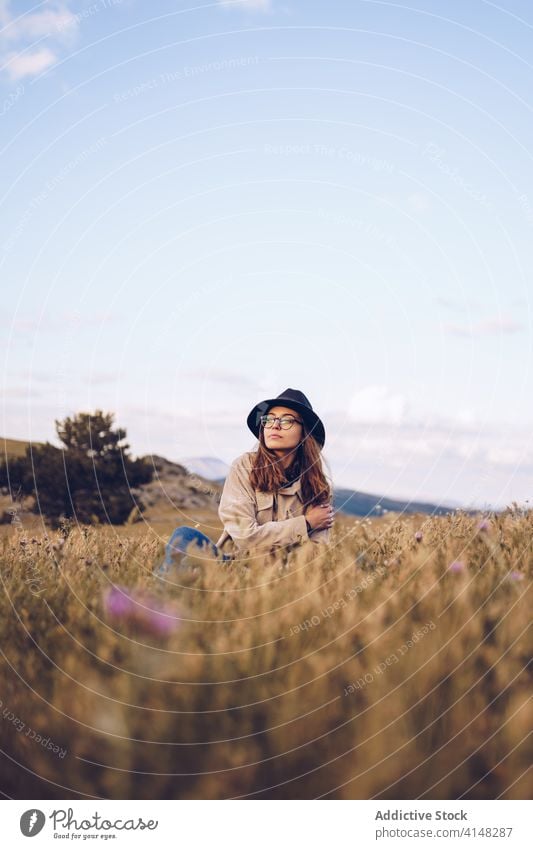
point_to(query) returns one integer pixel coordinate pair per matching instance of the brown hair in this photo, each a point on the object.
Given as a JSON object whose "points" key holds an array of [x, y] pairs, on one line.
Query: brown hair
{"points": [[267, 474]]}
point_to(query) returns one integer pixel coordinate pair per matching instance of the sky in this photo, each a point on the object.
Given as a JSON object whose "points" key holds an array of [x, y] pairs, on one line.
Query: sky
{"points": [[203, 204]]}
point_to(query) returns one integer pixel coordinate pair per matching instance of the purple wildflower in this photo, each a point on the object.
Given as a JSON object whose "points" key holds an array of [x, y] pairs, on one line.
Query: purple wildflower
{"points": [[419, 536], [515, 575], [456, 566], [142, 610], [483, 525]]}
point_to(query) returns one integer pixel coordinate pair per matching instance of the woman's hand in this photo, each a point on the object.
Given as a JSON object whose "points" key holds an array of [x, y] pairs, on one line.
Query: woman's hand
{"points": [[320, 517]]}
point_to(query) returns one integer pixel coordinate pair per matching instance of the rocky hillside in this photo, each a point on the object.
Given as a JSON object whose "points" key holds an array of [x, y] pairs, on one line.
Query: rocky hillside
{"points": [[174, 485]]}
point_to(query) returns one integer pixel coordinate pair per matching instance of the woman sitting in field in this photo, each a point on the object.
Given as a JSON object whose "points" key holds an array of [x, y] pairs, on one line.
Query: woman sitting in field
{"points": [[274, 497]]}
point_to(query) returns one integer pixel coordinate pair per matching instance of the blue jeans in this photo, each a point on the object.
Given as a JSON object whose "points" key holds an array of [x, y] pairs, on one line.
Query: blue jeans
{"points": [[176, 547]]}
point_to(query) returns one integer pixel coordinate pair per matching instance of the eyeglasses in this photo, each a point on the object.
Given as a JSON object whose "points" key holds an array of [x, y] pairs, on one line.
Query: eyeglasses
{"points": [[285, 422]]}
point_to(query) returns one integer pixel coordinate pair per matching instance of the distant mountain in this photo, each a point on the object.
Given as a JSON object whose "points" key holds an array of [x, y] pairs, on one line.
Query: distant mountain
{"points": [[364, 504], [210, 468]]}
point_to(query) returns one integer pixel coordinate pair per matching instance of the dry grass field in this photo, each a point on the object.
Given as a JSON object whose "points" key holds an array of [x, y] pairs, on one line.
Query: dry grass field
{"points": [[396, 665]]}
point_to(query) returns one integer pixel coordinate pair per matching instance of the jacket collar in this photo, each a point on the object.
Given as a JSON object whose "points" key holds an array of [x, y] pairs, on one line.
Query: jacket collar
{"points": [[295, 488]]}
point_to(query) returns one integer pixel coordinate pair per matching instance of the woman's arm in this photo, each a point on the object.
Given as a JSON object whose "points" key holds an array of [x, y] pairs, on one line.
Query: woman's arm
{"points": [[237, 511], [322, 537]]}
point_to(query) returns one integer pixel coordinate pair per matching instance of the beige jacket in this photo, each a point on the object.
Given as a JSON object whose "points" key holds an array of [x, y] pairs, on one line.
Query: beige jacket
{"points": [[260, 520]]}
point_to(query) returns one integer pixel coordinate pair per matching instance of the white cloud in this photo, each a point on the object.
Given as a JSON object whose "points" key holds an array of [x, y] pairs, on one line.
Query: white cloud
{"points": [[488, 327], [454, 304], [377, 404], [29, 41], [28, 325], [473, 466], [219, 376], [21, 392], [33, 25], [100, 378], [21, 65]]}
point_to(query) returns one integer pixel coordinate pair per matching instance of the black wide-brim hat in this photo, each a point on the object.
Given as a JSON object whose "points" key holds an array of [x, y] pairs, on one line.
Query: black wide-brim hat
{"points": [[297, 401]]}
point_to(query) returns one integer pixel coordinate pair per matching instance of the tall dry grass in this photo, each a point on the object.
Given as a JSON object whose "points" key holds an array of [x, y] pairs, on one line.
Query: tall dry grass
{"points": [[370, 670]]}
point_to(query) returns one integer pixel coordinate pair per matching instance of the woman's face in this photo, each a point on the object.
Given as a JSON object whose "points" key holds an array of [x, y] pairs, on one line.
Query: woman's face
{"points": [[279, 440]]}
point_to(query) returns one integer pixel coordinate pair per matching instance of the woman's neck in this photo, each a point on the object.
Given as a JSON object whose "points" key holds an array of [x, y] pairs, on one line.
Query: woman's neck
{"points": [[291, 470], [285, 460]]}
